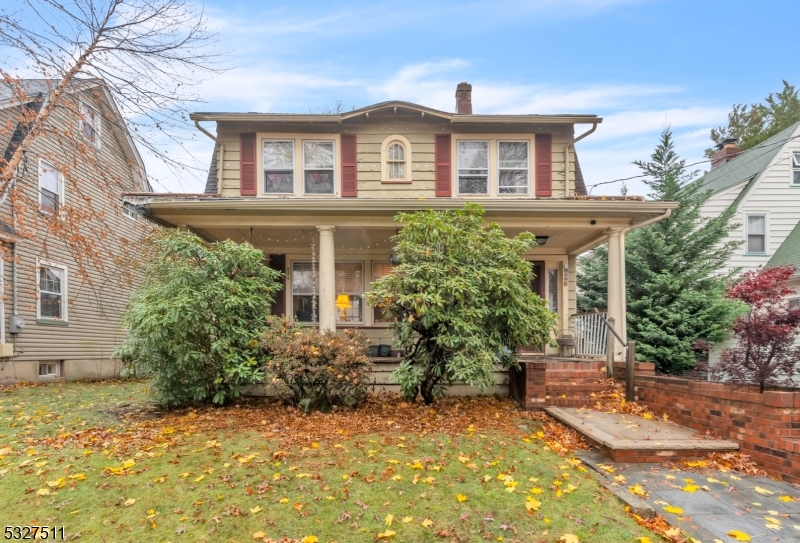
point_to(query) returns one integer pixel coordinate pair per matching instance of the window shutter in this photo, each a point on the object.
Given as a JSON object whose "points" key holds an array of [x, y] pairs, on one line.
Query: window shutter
{"points": [[349, 180], [443, 177], [247, 164], [544, 165]]}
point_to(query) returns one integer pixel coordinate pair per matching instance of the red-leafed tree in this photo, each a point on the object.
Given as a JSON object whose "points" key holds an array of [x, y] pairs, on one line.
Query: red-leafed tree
{"points": [[766, 354]]}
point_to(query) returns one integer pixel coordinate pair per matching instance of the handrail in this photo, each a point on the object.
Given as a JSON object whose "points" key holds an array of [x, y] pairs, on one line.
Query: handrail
{"points": [[611, 328]]}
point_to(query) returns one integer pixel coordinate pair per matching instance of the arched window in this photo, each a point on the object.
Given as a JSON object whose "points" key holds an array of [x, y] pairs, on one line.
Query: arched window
{"points": [[396, 155], [396, 161]]}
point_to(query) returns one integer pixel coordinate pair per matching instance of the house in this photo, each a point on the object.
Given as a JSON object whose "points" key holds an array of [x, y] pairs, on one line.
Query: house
{"points": [[763, 185], [59, 315], [318, 193]]}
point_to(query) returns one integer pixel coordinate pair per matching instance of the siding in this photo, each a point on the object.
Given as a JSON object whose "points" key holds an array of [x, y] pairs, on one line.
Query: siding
{"points": [[95, 302]]}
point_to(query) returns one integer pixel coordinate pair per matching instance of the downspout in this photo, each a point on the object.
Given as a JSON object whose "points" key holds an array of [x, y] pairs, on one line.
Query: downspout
{"points": [[221, 153], [566, 156]]}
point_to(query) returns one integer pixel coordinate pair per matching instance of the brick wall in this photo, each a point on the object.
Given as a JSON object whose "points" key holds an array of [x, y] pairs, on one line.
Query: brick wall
{"points": [[767, 426]]}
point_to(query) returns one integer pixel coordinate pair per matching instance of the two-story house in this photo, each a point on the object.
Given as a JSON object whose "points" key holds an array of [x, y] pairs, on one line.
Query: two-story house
{"points": [[61, 302], [763, 185], [318, 193]]}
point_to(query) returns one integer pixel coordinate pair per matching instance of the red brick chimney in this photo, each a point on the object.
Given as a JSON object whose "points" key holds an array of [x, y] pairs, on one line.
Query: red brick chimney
{"points": [[464, 99], [727, 150]]}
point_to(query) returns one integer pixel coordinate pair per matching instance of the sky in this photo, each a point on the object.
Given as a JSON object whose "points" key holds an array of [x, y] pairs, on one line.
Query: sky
{"points": [[642, 65]]}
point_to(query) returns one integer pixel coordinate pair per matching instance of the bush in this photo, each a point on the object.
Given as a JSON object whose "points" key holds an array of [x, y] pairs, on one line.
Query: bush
{"points": [[315, 371], [196, 322]]}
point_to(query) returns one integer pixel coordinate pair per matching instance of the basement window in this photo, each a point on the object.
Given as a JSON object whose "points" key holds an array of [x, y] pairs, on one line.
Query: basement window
{"points": [[49, 369]]}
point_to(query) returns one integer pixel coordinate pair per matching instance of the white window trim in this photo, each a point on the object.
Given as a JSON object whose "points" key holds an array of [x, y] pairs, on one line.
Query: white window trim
{"points": [[97, 129], [793, 300], [290, 291], [263, 184], [397, 138], [489, 174], [528, 168], [42, 163], [64, 296], [794, 168], [129, 213], [302, 158], [745, 226], [372, 308], [55, 375]]}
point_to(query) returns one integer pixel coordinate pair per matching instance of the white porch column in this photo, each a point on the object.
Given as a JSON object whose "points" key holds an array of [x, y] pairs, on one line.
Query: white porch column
{"points": [[615, 301], [327, 280], [623, 289]]}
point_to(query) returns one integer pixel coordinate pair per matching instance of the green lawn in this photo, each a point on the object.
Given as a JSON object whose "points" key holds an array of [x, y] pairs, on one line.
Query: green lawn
{"points": [[98, 460]]}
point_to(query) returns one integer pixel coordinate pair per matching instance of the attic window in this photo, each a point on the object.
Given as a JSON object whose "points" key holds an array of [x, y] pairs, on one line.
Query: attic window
{"points": [[90, 124], [396, 161], [796, 169]]}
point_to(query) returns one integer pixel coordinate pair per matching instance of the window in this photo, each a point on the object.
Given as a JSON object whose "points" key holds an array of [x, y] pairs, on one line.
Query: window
{"points": [[51, 188], [90, 124], [52, 292], [512, 165], [756, 234], [473, 167], [49, 369], [552, 289], [349, 287], [318, 167], [278, 159], [396, 161], [380, 269], [128, 212], [796, 169], [794, 303]]}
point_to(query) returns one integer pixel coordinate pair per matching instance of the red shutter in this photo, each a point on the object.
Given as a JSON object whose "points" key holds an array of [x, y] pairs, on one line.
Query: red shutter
{"points": [[442, 158], [349, 159], [544, 165], [247, 164]]}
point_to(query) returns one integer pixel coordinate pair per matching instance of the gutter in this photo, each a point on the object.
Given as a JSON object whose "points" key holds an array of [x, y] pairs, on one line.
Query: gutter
{"points": [[220, 166], [566, 155]]}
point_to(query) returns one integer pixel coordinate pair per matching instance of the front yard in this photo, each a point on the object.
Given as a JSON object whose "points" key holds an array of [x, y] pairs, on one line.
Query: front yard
{"points": [[99, 460]]}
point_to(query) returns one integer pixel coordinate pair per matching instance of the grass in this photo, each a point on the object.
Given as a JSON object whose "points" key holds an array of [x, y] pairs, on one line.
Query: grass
{"points": [[98, 460]]}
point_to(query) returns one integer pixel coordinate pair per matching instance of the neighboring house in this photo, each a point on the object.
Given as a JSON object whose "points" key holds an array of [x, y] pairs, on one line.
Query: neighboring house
{"points": [[763, 185], [789, 254], [58, 323], [334, 182]]}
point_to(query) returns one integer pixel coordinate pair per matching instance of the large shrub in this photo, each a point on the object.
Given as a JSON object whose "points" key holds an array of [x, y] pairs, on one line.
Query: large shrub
{"points": [[461, 298], [195, 323], [766, 353], [315, 371]]}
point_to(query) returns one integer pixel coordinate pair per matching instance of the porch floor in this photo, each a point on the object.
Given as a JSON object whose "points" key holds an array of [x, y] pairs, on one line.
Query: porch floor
{"points": [[631, 439]]}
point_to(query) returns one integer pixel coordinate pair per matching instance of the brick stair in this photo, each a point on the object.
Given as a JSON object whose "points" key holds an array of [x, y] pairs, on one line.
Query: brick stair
{"points": [[544, 382]]}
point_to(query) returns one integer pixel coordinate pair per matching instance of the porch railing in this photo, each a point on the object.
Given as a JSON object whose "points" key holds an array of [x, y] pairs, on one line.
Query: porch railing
{"points": [[590, 334]]}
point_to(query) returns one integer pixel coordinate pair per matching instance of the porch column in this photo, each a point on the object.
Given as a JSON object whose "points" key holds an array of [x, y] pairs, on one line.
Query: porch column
{"points": [[615, 302], [623, 289], [327, 280]]}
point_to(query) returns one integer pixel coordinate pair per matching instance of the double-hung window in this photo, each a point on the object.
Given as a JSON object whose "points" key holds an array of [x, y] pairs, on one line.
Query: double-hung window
{"points": [[278, 157], [396, 161], [380, 269], [794, 303], [318, 167], [473, 167], [52, 292], [512, 166], [756, 234], [349, 287], [796, 169], [51, 188], [90, 123]]}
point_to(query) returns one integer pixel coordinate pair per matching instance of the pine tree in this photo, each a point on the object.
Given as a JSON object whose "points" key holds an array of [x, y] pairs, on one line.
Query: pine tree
{"points": [[675, 291]]}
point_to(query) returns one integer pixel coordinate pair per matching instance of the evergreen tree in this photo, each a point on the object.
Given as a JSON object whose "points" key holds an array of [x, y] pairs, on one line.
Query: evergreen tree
{"points": [[675, 291]]}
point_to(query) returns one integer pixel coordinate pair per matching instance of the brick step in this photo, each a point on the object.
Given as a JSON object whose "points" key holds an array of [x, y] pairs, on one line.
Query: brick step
{"points": [[569, 389], [593, 382], [569, 402], [575, 374]]}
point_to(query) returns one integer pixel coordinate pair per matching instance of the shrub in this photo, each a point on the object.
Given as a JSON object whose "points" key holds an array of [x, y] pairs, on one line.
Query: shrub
{"points": [[461, 298], [195, 323], [315, 371], [766, 354]]}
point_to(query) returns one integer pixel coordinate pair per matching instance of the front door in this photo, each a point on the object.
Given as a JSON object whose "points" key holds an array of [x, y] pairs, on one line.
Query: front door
{"points": [[537, 286]]}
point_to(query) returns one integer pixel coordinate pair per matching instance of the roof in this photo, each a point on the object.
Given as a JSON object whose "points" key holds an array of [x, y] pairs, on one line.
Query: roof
{"points": [[394, 104], [748, 164], [211, 181], [580, 184], [789, 251]]}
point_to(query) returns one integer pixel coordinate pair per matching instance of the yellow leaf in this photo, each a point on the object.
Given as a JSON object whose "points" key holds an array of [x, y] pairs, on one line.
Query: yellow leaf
{"points": [[77, 476], [690, 488], [463, 459], [310, 539], [672, 532], [284, 500], [259, 535], [255, 510], [532, 504], [763, 491], [184, 475], [128, 464], [739, 536], [388, 534], [393, 461], [427, 523], [43, 492], [389, 519], [406, 520], [644, 539], [129, 502], [786, 499], [648, 416], [315, 445], [772, 520], [198, 479], [535, 490], [569, 538], [638, 490], [673, 509], [461, 498]]}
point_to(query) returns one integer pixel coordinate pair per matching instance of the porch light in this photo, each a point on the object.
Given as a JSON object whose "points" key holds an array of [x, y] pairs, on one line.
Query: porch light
{"points": [[541, 240], [343, 303]]}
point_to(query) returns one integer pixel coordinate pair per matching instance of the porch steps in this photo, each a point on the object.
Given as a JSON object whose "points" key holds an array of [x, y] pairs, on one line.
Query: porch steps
{"points": [[557, 382]]}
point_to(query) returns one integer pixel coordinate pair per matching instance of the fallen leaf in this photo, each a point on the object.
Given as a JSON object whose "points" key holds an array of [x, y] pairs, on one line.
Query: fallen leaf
{"points": [[129, 502], [388, 534], [739, 536], [786, 499], [406, 520], [309, 539], [691, 488], [256, 510], [259, 535], [569, 538], [461, 498], [427, 523], [532, 504], [638, 490], [673, 509], [389, 519], [763, 491]]}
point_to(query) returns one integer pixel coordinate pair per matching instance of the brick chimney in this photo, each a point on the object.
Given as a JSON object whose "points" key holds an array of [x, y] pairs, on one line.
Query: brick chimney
{"points": [[727, 150], [464, 99]]}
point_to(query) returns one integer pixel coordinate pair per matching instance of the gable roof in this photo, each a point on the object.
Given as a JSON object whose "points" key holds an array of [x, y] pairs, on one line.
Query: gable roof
{"points": [[748, 164], [789, 251]]}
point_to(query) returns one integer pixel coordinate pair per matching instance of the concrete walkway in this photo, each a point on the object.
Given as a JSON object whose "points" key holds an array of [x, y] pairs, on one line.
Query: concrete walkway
{"points": [[759, 507]]}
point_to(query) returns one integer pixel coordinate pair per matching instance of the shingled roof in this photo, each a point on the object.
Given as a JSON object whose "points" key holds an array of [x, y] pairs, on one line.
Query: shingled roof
{"points": [[789, 251]]}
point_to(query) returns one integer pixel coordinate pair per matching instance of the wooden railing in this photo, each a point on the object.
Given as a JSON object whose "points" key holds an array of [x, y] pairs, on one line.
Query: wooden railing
{"points": [[590, 334]]}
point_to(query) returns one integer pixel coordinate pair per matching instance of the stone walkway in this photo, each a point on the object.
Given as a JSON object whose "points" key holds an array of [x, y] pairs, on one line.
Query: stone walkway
{"points": [[712, 503]]}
